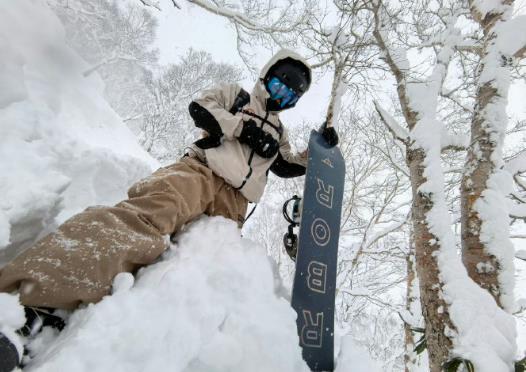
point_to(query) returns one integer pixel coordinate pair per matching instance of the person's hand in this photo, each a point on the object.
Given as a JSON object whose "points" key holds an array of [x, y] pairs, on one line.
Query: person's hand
{"points": [[257, 139], [329, 134]]}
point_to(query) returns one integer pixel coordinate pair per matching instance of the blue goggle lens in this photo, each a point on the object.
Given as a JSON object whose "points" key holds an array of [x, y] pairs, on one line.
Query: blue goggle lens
{"points": [[281, 93]]}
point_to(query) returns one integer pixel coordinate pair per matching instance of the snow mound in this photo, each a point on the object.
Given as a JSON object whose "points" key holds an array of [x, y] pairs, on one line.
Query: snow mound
{"points": [[12, 317], [62, 146], [355, 358], [209, 305]]}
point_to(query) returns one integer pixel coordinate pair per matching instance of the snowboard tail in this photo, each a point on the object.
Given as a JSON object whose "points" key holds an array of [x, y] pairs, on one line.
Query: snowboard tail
{"points": [[314, 289]]}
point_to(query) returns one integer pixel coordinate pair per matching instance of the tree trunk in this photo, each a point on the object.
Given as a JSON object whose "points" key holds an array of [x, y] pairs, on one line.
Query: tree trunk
{"points": [[434, 308], [410, 356], [482, 266], [483, 250], [438, 324]]}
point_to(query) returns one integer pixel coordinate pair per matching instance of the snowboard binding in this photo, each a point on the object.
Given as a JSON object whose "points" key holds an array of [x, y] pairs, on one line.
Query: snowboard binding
{"points": [[290, 239], [39, 317]]}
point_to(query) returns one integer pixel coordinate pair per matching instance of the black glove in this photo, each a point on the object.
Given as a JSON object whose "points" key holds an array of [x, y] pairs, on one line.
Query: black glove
{"points": [[329, 134], [258, 140]]}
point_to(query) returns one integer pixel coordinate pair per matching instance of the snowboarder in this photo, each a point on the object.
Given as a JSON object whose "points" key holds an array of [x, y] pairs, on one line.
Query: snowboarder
{"points": [[223, 171]]}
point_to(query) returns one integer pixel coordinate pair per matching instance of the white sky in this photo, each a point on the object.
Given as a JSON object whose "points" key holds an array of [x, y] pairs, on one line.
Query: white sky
{"points": [[195, 28]]}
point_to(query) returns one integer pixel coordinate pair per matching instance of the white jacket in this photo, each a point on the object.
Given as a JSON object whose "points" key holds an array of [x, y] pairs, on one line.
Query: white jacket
{"points": [[234, 161]]}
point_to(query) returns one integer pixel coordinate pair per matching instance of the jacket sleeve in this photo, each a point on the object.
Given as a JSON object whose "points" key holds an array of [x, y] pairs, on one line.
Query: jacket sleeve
{"points": [[287, 164], [211, 111]]}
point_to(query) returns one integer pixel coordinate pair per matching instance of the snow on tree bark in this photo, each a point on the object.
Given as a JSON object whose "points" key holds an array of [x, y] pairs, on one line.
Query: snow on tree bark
{"points": [[413, 310], [487, 251], [426, 176], [447, 293]]}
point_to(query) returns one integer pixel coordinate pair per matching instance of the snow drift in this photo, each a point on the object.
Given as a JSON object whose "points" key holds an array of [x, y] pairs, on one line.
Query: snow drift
{"points": [[210, 305], [62, 147]]}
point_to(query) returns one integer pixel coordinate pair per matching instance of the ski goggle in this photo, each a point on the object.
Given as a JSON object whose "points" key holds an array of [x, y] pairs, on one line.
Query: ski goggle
{"points": [[281, 93]]}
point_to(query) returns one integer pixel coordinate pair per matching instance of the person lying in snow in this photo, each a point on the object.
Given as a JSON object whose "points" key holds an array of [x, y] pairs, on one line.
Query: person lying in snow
{"points": [[223, 171]]}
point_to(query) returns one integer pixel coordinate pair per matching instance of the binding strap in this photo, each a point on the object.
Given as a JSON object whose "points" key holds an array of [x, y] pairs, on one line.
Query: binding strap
{"points": [[278, 129]]}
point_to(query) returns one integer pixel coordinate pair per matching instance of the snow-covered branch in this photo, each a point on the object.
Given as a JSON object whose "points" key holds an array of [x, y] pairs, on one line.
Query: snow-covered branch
{"points": [[395, 226], [392, 125], [243, 20], [155, 4], [237, 17], [364, 292], [451, 141], [395, 59], [409, 318], [518, 212], [151, 4], [512, 37], [521, 255], [517, 164], [337, 91]]}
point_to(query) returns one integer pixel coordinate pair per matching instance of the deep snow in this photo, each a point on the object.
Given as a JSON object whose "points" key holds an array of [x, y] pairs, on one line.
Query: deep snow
{"points": [[62, 146], [211, 304]]}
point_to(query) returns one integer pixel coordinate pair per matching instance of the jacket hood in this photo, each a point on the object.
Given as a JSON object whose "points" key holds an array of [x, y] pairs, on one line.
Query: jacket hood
{"points": [[259, 89], [281, 55]]}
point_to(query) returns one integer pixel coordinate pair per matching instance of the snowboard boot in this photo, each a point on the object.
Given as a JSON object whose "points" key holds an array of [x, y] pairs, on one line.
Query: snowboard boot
{"points": [[39, 317], [9, 358]]}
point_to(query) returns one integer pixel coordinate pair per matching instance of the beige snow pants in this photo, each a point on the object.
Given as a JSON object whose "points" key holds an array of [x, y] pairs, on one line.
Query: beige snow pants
{"points": [[77, 263]]}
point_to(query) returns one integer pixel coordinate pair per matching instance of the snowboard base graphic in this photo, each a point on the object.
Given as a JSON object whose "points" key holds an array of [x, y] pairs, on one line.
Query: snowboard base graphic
{"points": [[314, 286]]}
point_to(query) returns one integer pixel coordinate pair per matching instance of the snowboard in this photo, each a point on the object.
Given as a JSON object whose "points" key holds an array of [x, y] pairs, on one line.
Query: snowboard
{"points": [[314, 288]]}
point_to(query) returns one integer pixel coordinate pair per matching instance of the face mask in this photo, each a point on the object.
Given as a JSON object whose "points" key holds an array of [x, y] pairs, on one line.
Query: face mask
{"points": [[281, 93]]}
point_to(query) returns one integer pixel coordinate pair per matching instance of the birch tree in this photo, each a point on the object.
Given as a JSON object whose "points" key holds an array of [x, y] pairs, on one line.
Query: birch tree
{"points": [[443, 287], [486, 248], [419, 109]]}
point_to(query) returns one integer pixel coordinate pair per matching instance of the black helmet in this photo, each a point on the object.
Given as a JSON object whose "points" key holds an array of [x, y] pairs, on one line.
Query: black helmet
{"points": [[291, 72], [294, 74]]}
